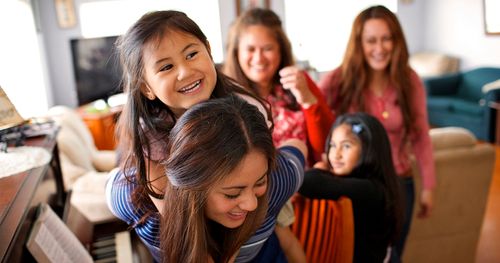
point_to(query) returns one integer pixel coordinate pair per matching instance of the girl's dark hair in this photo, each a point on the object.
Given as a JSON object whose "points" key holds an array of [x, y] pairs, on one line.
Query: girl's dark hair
{"points": [[269, 19], [144, 122], [355, 69], [207, 143], [375, 164]]}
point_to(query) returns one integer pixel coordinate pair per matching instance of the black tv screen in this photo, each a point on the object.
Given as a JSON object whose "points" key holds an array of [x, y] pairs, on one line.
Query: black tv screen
{"points": [[97, 68]]}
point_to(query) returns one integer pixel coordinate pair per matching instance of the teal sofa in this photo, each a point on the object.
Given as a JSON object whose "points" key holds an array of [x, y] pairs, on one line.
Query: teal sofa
{"points": [[457, 99]]}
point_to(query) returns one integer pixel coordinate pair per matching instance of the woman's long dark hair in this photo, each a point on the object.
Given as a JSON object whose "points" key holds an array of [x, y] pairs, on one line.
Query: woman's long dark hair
{"points": [[207, 143], [144, 122], [375, 164]]}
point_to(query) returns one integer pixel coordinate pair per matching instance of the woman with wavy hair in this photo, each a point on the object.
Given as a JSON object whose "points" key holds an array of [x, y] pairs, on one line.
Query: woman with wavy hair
{"points": [[375, 77], [223, 188], [259, 56]]}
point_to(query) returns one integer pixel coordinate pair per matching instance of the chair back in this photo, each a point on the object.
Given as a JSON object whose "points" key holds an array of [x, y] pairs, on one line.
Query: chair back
{"points": [[325, 228]]}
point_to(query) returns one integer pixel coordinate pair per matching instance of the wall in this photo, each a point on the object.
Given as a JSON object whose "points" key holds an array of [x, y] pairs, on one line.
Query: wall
{"points": [[452, 27], [448, 26], [58, 52], [413, 19]]}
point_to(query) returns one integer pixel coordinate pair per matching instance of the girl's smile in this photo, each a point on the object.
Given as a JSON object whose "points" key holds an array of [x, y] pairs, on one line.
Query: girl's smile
{"points": [[178, 70]]}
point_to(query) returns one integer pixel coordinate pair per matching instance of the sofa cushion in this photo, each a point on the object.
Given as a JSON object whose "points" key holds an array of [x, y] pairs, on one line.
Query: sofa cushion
{"points": [[445, 85], [455, 105], [74, 148], [104, 160], [428, 64], [438, 103], [88, 197], [70, 171], [466, 107], [451, 137]]}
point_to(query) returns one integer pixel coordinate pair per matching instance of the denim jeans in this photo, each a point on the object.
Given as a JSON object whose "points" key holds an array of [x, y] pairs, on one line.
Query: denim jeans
{"points": [[408, 189]]}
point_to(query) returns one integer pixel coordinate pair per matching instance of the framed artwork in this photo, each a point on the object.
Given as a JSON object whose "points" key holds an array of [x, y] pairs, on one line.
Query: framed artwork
{"points": [[242, 5], [65, 10], [491, 17]]}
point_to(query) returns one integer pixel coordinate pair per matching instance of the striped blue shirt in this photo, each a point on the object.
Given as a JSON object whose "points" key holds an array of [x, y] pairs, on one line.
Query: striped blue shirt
{"points": [[284, 182]]}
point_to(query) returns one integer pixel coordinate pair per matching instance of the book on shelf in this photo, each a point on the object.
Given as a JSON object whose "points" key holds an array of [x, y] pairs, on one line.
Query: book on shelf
{"points": [[9, 117]]}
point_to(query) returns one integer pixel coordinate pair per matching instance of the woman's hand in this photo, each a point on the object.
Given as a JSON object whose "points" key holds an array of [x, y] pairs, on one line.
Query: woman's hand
{"points": [[290, 244], [426, 203], [293, 79]]}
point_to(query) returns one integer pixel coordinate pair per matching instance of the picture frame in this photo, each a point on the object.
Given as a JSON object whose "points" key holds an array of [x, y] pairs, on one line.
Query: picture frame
{"points": [[243, 5], [65, 10], [491, 18]]}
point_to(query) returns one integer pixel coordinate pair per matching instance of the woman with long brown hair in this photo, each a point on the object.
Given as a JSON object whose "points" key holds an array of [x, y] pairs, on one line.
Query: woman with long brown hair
{"points": [[259, 56], [219, 169], [226, 183], [375, 77]]}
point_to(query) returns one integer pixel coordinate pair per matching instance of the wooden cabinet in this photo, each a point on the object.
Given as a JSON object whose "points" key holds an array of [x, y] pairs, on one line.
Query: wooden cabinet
{"points": [[102, 126]]}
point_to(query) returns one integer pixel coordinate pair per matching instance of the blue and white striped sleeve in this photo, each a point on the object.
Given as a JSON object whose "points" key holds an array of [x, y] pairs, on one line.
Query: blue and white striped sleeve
{"points": [[287, 178], [119, 199]]}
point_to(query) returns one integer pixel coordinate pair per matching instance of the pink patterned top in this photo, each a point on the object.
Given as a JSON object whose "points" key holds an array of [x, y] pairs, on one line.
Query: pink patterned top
{"points": [[287, 123], [311, 125]]}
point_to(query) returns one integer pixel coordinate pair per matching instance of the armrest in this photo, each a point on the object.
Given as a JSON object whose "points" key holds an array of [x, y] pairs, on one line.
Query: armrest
{"points": [[442, 85], [492, 95]]}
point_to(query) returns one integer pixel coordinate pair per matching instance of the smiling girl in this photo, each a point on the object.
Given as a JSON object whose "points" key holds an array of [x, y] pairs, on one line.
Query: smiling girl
{"points": [[167, 69], [360, 167]]}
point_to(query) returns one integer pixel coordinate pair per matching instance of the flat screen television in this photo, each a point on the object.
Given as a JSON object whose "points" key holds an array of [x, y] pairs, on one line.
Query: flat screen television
{"points": [[97, 68]]}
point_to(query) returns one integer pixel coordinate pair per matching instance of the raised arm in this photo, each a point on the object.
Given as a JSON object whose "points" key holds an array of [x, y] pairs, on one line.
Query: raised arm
{"points": [[322, 184], [318, 116]]}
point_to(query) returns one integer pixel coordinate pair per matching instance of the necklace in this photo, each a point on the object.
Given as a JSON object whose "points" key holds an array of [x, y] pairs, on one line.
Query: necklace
{"points": [[378, 93], [385, 114], [381, 107]]}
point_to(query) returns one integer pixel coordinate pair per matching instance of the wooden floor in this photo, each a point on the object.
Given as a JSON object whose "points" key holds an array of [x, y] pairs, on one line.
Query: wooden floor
{"points": [[488, 250]]}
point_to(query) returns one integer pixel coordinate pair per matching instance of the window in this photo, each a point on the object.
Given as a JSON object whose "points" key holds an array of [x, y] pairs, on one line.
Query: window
{"points": [[21, 67], [319, 30], [96, 21]]}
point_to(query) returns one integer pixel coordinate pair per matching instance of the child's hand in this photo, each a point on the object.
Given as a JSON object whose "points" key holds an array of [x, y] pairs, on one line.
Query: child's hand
{"points": [[294, 80], [321, 165]]}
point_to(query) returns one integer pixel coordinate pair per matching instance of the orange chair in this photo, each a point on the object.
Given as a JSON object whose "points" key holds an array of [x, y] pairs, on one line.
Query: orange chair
{"points": [[325, 228]]}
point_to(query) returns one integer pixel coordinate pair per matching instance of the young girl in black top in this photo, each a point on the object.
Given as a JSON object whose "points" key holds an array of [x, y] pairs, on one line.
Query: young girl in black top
{"points": [[360, 167]]}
